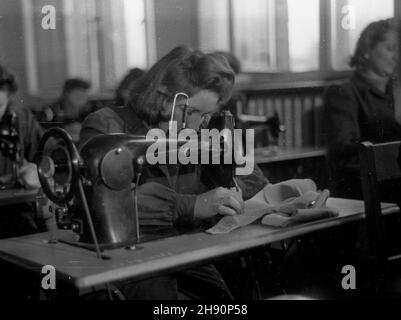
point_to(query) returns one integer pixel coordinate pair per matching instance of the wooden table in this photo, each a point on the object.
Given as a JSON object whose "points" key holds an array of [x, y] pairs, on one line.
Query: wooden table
{"points": [[80, 269], [284, 163], [270, 154], [15, 196]]}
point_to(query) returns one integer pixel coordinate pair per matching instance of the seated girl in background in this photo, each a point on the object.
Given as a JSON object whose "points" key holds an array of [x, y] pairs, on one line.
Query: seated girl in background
{"points": [[362, 109]]}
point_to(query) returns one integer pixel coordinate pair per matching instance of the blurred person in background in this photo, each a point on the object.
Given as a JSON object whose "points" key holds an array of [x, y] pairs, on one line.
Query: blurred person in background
{"points": [[70, 109]]}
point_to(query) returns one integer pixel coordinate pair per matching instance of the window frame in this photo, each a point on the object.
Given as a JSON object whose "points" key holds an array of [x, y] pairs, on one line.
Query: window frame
{"points": [[326, 71], [233, 41], [96, 54]]}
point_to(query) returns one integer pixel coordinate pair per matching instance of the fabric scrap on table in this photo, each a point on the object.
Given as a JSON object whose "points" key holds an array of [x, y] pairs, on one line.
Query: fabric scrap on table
{"points": [[280, 205]]}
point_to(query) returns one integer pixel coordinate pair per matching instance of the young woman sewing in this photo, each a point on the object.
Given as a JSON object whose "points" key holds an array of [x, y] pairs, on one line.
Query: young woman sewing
{"points": [[173, 196]]}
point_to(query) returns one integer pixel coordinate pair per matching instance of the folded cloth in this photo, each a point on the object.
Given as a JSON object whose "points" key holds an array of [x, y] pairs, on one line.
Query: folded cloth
{"points": [[292, 205], [230, 223], [286, 191], [287, 203], [255, 208], [301, 216]]}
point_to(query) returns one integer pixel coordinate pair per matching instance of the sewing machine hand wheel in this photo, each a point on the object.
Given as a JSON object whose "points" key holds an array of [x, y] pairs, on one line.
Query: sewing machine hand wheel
{"points": [[58, 165]]}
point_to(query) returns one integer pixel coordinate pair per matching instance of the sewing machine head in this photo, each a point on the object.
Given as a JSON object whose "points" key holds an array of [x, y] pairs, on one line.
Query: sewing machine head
{"points": [[101, 179], [214, 175], [98, 179], [267, 129]]}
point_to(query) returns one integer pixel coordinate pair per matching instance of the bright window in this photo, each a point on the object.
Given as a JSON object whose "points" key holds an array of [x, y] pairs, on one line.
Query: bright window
{"points": [[97, 40], [254, 34], [214, 22], [349, 18], [265, 35], [303, 35], [135, 33]]}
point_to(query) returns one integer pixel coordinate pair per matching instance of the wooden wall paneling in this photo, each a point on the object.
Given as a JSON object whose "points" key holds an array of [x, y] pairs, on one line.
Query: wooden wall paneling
{"points": [[308, 126], [264, 106], [269, 107], [260, 106], [257, 106], [308, 105], [289, 118], [300, 109], [281, 115], [319, 131], [298, 128]]}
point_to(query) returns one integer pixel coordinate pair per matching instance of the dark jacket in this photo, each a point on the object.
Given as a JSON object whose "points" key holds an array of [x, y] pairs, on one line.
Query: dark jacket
{"points": [[356, 111], [55, 116], [171, 198], [29, 132]]}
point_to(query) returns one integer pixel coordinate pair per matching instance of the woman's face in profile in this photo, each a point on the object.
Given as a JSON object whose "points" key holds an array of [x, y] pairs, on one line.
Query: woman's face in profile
{"points": [[383, 56], [201, 105]]}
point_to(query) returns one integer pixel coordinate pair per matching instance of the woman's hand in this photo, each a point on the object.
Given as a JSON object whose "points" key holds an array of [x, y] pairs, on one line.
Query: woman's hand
{"points": [[28, 176], [219, 201]]}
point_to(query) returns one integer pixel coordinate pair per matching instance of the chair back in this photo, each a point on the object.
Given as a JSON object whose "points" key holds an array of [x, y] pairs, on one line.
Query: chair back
{"points": [[379, 163]]}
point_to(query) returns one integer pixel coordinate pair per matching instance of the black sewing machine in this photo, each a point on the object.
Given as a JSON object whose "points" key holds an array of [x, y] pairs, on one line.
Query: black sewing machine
{"points": [[214, 175], [10, 146], [101, 181], [267, 129]]}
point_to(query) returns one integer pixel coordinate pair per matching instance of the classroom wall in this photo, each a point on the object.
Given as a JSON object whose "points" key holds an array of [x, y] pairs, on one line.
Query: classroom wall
{"points": [[11, 39], [47, 50], [50, 48], [176, 24]]}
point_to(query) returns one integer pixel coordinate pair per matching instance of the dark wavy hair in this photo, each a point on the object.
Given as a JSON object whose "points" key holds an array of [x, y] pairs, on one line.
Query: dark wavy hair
{"points": [[232, 60], [75, 84], [126, 84], [371, 36], [7, 80], [181, 70]]}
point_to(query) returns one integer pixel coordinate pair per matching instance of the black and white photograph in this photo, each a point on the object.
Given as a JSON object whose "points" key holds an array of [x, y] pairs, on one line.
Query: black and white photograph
{"points": [[200, 155]]}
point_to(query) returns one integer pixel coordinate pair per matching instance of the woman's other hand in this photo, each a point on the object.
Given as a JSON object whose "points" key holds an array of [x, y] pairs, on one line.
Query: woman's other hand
{"points": [[28, 176], [219, 201]]}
